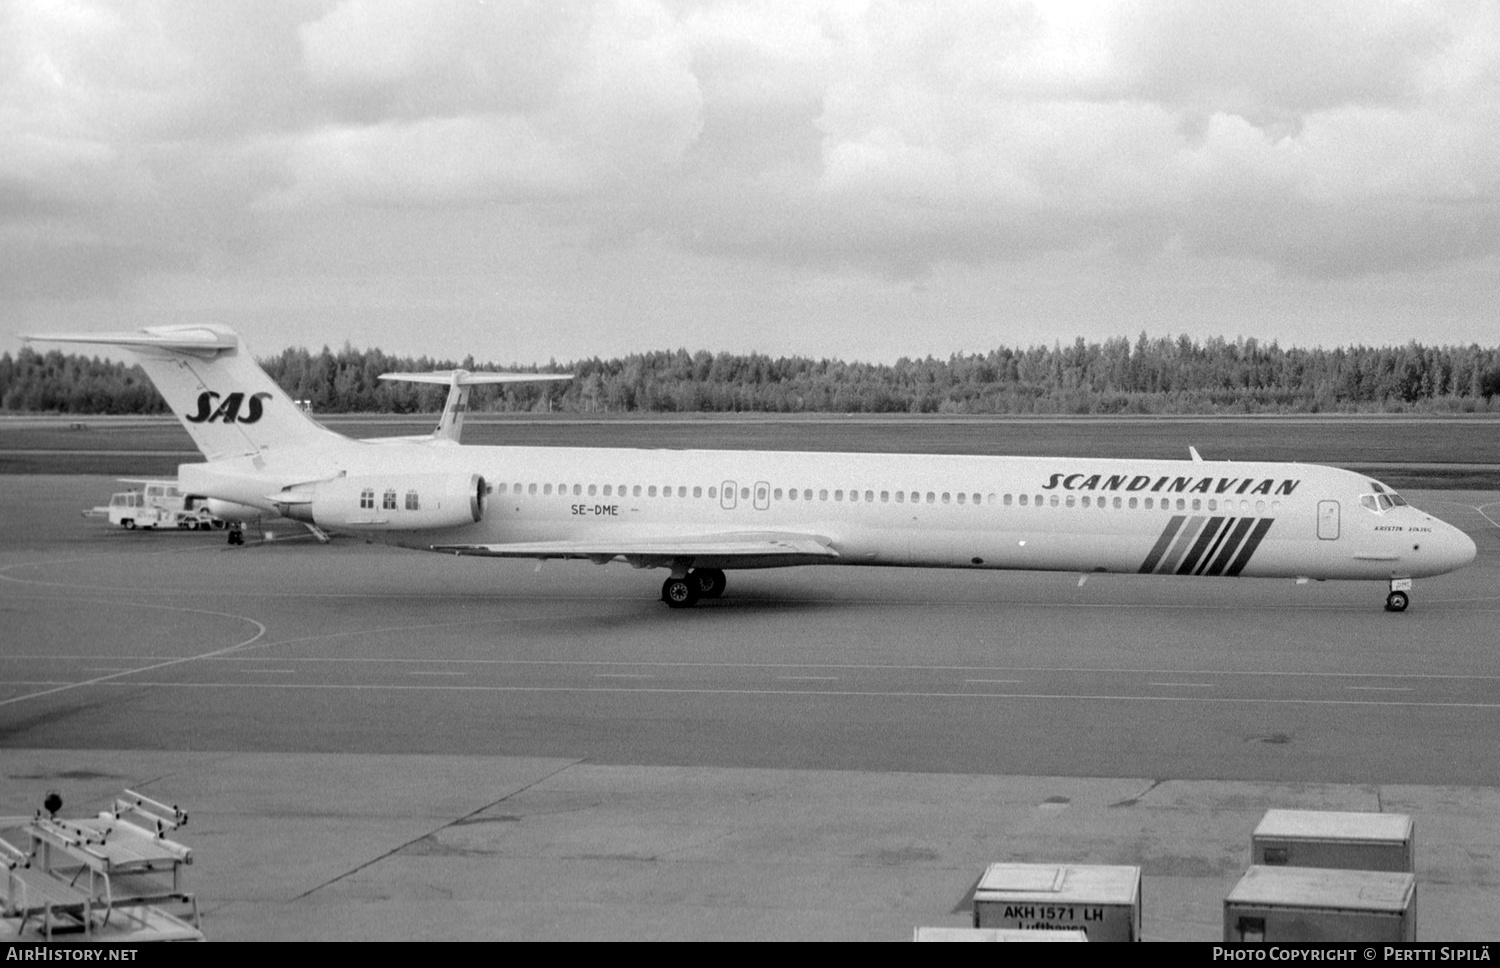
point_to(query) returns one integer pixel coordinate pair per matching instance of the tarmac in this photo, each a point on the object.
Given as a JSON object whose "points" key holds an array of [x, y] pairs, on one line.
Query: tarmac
{"points": [[337, 847], [692, 812]]}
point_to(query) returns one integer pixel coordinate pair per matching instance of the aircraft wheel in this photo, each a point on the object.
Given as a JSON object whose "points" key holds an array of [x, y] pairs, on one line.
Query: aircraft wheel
{"points": [[679, 592], [711, 582], [236, 537], [1396, 602]]}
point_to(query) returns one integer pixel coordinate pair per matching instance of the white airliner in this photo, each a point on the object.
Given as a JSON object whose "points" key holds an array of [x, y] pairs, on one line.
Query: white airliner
{"points": [[699, 513]]}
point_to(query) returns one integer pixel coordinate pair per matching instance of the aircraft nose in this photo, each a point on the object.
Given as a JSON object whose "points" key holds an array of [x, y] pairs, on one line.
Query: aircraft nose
{"points": [[1458, 548]]}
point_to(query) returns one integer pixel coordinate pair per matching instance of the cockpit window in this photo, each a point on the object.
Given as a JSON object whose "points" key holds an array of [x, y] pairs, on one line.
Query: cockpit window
{"points": [[1382, 500]]}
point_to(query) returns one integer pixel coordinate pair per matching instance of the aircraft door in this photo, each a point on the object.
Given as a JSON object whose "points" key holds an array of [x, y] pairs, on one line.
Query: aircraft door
{"points": [[1328, 520], [762, 495], [727, 493]]}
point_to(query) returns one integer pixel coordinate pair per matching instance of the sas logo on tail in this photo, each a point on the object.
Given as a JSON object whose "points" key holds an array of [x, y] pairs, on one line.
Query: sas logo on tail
{"points": [[229, 410]]}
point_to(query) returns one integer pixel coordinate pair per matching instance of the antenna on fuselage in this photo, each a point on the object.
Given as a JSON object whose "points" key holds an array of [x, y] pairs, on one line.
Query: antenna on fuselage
{"points": [[451, 424]]}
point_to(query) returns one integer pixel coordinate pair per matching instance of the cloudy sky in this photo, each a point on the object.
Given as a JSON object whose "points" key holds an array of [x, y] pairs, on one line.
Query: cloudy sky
{"points": [[866, 180]]}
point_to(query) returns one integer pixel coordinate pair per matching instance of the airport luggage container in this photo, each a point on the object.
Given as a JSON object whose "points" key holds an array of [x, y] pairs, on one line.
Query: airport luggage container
{"points": [[1321, 904], [1333, 839], [1102, 901], [994, 934]]}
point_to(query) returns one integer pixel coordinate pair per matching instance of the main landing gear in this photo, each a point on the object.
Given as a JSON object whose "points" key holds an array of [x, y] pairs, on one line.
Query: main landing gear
{"points": [[1400, 595], [236, 534], [684, 592]]}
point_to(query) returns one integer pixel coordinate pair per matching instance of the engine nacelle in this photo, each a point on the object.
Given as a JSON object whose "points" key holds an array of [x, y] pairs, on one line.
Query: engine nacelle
{"points": [[386, 502], [230, 511]]}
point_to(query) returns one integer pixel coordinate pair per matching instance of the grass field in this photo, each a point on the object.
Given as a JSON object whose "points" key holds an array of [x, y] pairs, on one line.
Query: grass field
{"points": [[1404, 451]]}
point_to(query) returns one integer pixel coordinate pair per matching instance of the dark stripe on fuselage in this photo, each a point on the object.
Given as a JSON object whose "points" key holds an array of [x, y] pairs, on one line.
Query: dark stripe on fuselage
{"points": [[1226, 552], [1184, 538], [1261, 527], [1191, 561], [1158, 549], [1214, 550]]}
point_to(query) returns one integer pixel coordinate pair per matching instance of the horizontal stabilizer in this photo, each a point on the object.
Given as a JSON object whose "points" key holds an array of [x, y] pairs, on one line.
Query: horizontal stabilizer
{"points": [[176, 339], [463, 378], [458, 382]]}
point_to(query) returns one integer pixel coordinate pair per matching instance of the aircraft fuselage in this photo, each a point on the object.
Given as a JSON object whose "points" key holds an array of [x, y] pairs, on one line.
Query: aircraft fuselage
{"points": [[1210, 518]]}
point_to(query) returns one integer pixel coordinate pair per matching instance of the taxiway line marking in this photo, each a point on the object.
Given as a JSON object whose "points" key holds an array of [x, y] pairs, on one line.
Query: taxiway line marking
{"points": [[838, 694], [260, 631], [875, 666]]}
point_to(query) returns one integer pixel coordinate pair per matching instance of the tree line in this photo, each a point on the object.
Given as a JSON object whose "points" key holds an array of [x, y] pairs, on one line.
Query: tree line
{"points": [[1160, 375]]}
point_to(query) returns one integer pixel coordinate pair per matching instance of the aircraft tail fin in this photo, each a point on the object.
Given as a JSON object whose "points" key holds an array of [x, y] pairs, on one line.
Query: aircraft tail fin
{"points": [[459, 382], [224, 400]]}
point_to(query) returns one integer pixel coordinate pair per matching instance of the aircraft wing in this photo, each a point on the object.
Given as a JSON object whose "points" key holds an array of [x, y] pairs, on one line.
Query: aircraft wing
{"points": [[746, 549]]}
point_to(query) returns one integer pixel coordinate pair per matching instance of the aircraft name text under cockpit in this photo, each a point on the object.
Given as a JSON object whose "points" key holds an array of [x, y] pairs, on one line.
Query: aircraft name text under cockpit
{"points": [[1169, 483]]}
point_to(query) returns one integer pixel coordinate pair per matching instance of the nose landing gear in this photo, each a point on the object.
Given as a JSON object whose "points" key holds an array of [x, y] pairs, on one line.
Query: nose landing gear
{"points": [[1400, 595]]}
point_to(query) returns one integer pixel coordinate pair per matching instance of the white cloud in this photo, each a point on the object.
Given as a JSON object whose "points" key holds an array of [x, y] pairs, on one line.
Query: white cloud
{"points": [[1321, 138]]}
